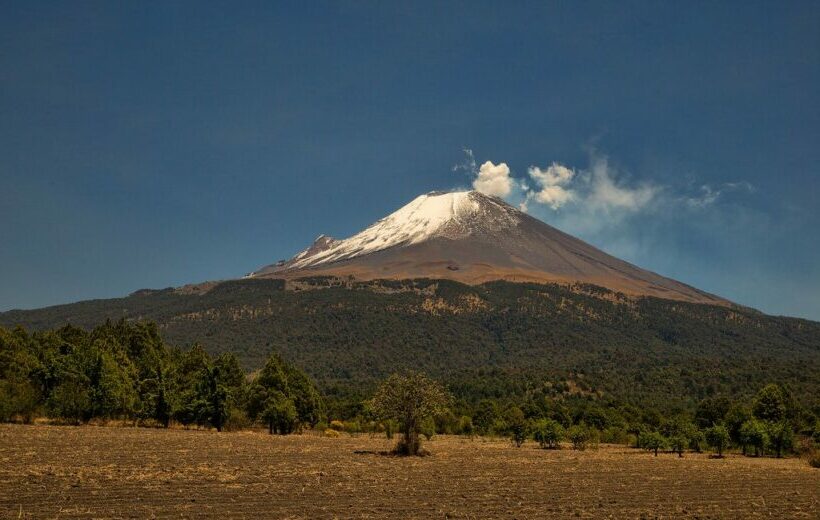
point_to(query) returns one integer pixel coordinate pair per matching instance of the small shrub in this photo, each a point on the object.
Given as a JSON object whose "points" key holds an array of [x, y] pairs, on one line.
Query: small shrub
{"points": [[615, 435], [337, 425], [465, 426], [390, 428], [548, 433], [580, 436], [814, 458], [352, 427], [516, 426], [332, 433], [678, 444], [428, 428], [237, 420]]}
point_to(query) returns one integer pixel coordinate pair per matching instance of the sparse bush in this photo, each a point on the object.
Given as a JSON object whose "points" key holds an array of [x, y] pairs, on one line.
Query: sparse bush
{"points": [[814, 458], [516, 426], [678, 444], [337, 425], [332, 433], [446, 423], [499, 427], [352, 427], [237, 420], [548, 433], [581, 436], [390, 428], [428, 428], [465, 426], [18, 399], [615, 435]]}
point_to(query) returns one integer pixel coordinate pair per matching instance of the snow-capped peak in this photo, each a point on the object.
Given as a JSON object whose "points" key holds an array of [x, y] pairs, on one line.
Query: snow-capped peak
{"points": [[446, 214]]}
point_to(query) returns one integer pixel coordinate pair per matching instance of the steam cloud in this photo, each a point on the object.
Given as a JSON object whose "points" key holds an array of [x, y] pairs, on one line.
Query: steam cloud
{"points": [[552, 182], [592, 198], [493, 179]]}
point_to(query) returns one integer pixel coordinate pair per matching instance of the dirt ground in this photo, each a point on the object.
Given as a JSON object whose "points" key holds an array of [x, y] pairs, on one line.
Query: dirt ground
{"points": [[97, 472]]}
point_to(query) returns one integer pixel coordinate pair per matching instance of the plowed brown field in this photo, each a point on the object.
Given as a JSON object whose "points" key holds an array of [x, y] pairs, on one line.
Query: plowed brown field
{"points": [[51, 471]]}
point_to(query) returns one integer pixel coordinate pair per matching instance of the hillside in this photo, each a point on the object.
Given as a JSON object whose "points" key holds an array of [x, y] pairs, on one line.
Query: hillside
{"points": [[491, 339]]}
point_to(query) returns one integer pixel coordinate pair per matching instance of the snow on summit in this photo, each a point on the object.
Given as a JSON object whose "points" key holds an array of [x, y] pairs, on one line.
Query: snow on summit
{"points": [[473, 238], [449, 214]]}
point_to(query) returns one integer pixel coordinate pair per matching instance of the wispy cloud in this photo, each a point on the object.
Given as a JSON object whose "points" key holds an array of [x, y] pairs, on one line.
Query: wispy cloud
{"points": [[709, 195], [594, 196], [468, 165], [551, 182]]}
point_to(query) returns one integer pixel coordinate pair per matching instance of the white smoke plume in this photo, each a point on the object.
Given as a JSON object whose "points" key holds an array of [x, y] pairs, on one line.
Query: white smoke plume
{"points": [[493, 179]]}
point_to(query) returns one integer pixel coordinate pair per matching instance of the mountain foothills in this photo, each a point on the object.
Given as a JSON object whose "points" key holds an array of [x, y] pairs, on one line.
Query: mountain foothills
{"points": [[492, 302], [489, 340]]}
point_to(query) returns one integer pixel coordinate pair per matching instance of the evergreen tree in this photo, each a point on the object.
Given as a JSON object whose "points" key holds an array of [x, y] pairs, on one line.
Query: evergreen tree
{"points": [[280, 413]]}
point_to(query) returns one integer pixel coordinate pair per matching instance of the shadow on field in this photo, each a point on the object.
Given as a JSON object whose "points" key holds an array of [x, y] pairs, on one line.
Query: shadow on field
{"points": [[374, 452]]}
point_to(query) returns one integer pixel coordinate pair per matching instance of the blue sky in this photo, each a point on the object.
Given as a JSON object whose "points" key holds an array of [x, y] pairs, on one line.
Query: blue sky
{"points": [[146, 145]]}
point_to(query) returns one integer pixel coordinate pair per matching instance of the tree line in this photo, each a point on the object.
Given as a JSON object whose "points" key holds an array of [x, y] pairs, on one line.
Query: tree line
{"points": [[123, 370]]}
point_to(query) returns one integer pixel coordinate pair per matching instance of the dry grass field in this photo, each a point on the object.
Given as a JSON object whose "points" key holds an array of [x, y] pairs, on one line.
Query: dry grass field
{"points": [[96, 472]]}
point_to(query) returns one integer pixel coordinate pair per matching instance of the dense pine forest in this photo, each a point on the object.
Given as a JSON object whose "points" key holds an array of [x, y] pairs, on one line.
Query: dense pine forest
{"points": [[125, 371], [495, 341]]}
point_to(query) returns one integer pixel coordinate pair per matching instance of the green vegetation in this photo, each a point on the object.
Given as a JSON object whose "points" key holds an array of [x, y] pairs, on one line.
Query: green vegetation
{"points": [[718, 438], [652, 441], [410, 400], [496, 341], [548, 433], [125, 371], [581, 436]]}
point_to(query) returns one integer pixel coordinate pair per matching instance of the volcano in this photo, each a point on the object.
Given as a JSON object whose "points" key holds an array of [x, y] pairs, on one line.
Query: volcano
{"points": [[474, 238]]}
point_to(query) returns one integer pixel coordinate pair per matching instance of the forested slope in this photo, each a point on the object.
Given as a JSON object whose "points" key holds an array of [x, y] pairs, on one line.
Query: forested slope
{"points": [[490, 340]]}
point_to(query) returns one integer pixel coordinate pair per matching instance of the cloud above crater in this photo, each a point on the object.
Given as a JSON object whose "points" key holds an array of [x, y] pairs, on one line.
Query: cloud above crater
{"points": [[593, 198], [493, 179]]}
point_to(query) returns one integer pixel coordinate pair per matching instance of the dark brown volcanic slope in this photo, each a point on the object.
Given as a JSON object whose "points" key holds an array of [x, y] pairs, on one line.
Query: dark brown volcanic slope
{"points": [[473, 238]]}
